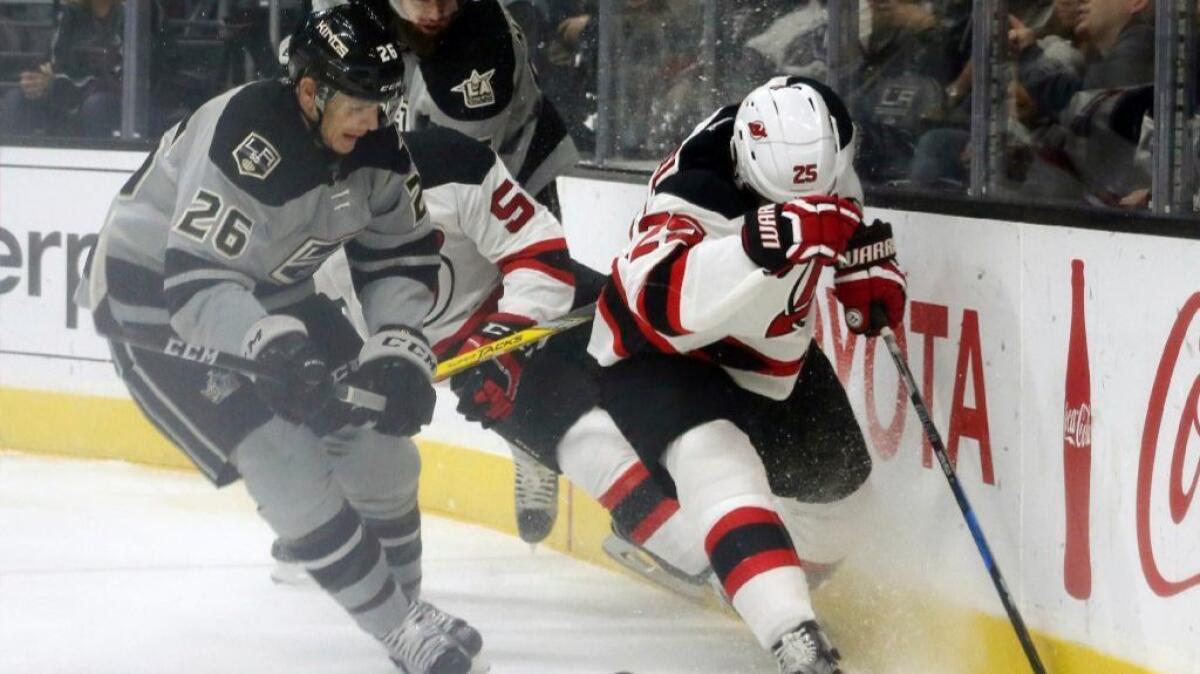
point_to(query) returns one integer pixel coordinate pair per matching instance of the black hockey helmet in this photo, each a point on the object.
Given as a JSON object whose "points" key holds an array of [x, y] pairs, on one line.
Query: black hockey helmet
{"points": [[349, 48]]}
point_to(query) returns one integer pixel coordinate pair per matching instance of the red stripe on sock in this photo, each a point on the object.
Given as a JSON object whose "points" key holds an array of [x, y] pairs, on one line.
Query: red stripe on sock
{"points": [[655, 520], [753, 566], [628, 481], [739, 518]]}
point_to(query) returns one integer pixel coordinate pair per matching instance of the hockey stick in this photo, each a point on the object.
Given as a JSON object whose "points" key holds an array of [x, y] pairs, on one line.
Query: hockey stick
{"points": [[360, 397], [520, 339], [939, 450], [177, 348]]}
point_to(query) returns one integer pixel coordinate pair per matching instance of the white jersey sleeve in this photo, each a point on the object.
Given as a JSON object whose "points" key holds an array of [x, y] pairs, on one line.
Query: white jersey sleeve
{"points": [[522, 238]]}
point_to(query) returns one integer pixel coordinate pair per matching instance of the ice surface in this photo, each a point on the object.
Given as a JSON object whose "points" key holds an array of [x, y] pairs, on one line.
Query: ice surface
{"points": [[111, 568]]}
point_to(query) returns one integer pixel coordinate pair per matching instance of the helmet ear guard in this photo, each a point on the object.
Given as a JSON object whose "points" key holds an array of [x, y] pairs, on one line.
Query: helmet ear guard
{"points": [[792, 137]]}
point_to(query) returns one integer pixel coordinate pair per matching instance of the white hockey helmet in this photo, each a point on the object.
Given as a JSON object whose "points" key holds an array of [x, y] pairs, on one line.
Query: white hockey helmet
{"points": [[792, 137]]}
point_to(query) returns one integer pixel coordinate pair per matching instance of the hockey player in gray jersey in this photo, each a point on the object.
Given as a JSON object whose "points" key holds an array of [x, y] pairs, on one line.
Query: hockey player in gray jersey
{"points": [[215, 240], [470, 70]]}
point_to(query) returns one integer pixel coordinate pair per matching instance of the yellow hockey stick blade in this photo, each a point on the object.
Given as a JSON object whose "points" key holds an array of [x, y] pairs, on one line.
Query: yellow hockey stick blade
{"points": [[465, 361]]}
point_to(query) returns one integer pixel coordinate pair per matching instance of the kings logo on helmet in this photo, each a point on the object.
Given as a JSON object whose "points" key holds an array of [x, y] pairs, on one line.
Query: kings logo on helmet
{"points": [[334, 41]]}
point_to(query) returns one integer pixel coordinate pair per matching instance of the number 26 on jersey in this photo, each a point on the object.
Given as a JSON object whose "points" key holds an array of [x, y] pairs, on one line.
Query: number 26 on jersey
{"points": [[201, 218]]}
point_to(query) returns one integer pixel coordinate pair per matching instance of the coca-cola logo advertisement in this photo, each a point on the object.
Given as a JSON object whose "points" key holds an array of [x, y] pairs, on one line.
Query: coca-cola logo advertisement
{"points": [[1077, 447], [1168, 467]]}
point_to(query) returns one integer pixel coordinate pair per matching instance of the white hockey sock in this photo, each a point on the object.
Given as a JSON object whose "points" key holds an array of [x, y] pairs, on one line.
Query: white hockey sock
{"points": [[723, 490], [595, 456]]}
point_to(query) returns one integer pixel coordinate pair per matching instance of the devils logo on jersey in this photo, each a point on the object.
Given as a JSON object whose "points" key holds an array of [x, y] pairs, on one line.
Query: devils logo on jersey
{"points": [[799, 301]]}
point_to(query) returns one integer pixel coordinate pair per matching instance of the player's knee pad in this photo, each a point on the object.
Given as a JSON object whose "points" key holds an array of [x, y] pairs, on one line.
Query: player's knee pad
{"points": [[378, 473], [716, 469], [289, 477], [593, 454]]}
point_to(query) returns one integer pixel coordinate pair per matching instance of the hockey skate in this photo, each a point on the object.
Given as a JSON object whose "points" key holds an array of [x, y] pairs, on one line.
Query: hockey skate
{"points": [[536, 494], [654, 568], [806, 650], [467, 637], [420, 646], [287, 570]]}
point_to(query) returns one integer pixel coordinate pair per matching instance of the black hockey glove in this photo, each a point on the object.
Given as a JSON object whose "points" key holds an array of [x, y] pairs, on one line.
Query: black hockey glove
{"points": [[304, 385], [486, 393], [398, 363]]}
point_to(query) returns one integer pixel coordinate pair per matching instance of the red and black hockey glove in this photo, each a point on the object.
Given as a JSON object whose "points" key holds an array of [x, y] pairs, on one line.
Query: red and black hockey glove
{"points": [[397, 362], [869, 283], [778, 236], [486, 393]]}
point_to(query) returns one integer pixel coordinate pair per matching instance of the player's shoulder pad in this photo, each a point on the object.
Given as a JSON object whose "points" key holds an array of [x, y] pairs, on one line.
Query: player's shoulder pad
{"points": [[261, 144], [382, 149], [707, 189], [708, 146], [443, 156], [470, 75]]}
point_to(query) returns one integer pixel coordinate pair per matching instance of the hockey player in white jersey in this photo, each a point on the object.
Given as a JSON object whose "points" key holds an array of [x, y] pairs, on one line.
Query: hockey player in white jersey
{"points": [[705, 328], [504, 266], [215, 240]]}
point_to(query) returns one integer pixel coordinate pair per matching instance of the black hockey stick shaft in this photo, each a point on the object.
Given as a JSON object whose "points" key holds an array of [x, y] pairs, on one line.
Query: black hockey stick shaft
{"points": [[177, 348], [964, 506]]}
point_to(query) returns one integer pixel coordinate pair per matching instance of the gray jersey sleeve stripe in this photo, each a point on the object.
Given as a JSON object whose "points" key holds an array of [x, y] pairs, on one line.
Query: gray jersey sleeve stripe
{"points": [[427, 245], [178, 262], [178, 295], [374, 240], [211, 274], [406, 261], [426, 276]]}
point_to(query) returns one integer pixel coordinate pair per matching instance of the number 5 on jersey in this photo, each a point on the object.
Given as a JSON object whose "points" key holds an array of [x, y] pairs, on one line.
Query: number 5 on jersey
{"points": [[197, 222]]}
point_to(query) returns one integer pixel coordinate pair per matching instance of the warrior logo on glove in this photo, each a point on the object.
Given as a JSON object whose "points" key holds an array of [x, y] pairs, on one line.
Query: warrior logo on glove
{"points": [[869, 283]]}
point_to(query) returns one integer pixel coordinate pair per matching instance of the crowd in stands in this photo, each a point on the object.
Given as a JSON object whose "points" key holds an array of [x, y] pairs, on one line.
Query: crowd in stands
{"points": [[1079, 78]]}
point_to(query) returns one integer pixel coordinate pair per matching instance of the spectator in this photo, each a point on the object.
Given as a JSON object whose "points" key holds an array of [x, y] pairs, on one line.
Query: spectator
{"points": [[1087, 151], [914, 65], [941, 159], [567, 62], [78, 89]]}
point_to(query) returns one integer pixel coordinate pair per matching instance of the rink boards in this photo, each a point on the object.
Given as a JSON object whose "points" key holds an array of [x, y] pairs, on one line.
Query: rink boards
{"points": [[988, 334]]}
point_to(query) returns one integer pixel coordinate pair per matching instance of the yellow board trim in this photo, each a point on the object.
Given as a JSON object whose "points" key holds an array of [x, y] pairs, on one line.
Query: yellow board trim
{"points": [[476, 487]]}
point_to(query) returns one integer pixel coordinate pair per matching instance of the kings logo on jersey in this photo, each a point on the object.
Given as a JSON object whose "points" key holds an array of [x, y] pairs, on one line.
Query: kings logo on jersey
{"points": [[477, 89], [303, 263], [255, 157]]}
